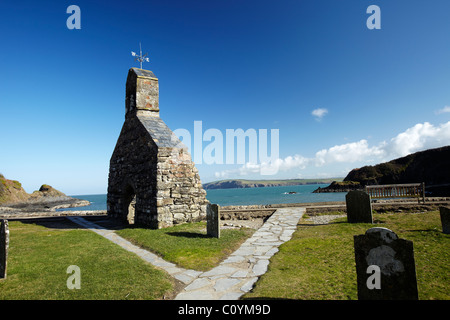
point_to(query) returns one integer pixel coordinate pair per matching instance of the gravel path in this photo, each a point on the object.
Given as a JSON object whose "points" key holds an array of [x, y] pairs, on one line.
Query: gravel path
{"points": [[325, 219]]}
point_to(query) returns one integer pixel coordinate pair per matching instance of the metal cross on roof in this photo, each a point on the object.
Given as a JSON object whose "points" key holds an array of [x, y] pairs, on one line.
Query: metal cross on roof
{"points": [[141, 58]]}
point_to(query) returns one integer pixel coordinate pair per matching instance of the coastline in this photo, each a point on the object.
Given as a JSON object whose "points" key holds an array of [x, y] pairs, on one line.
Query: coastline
{"points": [[251, 212], [40, 207]]}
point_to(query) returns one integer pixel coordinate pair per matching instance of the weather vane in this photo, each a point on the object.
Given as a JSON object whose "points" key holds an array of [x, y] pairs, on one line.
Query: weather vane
{"points": [[141, 58]]}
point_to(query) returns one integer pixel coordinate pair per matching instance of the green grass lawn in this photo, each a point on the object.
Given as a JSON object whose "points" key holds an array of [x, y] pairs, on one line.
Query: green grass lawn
{"points": [[187, 245], [39, 257], [318, 263]]}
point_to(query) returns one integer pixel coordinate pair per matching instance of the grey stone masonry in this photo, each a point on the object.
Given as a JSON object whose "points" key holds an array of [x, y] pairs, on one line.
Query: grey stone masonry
{"points": [[359, 207], [4, 245], [142, 92], [237, 274], [445, 219], [151, 165], [385, 266], [213, 220]]}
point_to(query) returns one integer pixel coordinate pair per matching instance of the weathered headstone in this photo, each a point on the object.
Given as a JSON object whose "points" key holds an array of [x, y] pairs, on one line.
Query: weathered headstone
{"points": [[4, 244], [445, 219], [213, 220], [385, 266], [359, 207]]}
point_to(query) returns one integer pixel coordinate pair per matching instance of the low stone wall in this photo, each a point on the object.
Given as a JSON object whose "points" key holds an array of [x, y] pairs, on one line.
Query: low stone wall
{"points": [[382, 206], [257, 211], [245, 214], [4, 214]]}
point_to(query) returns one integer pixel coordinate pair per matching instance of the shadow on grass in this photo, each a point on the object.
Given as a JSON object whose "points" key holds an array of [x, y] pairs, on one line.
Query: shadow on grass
{"points": [[435, 231], [49, 222], [319, 224], [64, 223], [185, 234]]}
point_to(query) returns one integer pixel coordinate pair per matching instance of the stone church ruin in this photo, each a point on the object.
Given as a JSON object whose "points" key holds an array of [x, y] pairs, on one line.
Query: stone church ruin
{"points": [[152, 179]]}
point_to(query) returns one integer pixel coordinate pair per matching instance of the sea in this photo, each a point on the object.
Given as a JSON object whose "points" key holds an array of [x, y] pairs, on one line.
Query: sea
{"points": [[241, 196]]}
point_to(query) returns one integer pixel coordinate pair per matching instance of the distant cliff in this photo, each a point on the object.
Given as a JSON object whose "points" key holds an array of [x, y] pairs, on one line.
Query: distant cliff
{"points": [[430, 166], [239, 183]]}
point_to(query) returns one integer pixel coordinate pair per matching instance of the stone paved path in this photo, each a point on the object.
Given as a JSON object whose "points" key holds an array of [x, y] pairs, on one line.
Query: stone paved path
{"points": [[234, 276]]}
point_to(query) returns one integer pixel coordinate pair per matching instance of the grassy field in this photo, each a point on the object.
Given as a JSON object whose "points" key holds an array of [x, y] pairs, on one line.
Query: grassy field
{"points": [[39, 257], [318, 262], [187, 245]]}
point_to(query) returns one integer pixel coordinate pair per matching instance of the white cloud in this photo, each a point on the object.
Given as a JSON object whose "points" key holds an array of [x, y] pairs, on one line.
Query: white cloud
{"points": [[288, 163], [420, 137], [349, 152], [319, 113], [249, 168], [221, 174], [446, 109]]}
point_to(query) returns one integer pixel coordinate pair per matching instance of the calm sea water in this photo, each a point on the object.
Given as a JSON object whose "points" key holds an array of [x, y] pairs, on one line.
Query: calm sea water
{"points": [[243, 196]]}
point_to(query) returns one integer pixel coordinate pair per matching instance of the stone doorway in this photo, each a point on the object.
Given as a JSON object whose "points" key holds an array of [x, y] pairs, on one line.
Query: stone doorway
{"points": [[129, 205]]}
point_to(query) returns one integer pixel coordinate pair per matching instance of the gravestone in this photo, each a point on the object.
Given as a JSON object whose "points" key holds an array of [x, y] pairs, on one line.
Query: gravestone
{"points": [[213, 220], [359, 207], [445, 219], [385, 266], [4, 244]]}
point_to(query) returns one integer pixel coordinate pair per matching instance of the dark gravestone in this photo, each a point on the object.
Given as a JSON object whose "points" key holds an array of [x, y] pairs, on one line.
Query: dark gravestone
{"points": [[445, 219], [213, 220], [385, 266], [359, 207], [4, 244]]}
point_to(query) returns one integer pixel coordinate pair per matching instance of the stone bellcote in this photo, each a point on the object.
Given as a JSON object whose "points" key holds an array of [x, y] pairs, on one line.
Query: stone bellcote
{"points": [[142, 93], [152, 180]]}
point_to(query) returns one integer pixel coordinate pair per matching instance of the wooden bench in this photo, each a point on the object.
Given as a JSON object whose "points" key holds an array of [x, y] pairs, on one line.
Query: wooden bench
{"points": [[409, 190]]}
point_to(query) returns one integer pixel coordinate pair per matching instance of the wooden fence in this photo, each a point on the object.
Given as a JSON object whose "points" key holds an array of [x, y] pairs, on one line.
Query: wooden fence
{"points": [[410, 190]]}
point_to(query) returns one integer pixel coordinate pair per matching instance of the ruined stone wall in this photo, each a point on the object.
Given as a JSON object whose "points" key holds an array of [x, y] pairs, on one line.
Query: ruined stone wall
{"points": [[180, 196], [151, 164], [164, 180], [132, 172]]}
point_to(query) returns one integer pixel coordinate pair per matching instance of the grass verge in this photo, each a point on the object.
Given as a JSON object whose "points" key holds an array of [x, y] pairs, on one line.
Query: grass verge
{"points": [[318, 262], [39, 257], [187, 245]]}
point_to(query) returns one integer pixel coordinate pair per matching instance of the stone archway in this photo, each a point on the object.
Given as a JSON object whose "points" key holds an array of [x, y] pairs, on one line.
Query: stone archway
{"points": [[129, 204]]}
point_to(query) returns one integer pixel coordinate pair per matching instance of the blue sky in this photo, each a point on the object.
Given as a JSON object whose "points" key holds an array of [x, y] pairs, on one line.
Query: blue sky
{"points": [[230, 64]]}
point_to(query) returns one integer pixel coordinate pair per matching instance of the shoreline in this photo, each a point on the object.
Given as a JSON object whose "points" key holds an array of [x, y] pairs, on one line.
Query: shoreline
{"points": [[249, 212]]}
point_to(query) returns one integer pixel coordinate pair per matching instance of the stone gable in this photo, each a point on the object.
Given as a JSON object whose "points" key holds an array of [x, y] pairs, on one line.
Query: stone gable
{"points": [[152, 179]]}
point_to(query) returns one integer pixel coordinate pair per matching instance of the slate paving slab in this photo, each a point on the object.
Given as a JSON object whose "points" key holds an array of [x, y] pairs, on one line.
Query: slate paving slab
{"points": [[237, 274]]}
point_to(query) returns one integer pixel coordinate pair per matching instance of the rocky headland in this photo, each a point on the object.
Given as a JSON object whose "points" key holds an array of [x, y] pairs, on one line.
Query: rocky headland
{"points": [[430, 166], [340, 186], [15, 200]]}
